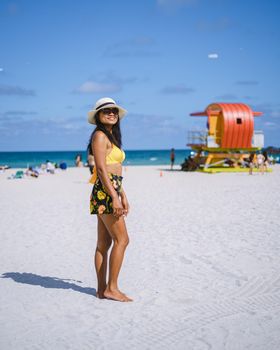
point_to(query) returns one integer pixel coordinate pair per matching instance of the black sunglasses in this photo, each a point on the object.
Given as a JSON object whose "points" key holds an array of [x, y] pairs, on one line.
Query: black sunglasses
{"points": [[110, 110]]}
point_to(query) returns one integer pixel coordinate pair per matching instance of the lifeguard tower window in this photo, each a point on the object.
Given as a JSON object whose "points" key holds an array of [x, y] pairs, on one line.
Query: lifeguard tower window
{"points": [[238, 121]]}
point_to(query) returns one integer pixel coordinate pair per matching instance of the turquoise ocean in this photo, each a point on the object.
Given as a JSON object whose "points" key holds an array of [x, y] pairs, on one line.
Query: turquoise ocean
{"points": [[144, 157], [138, 157]]}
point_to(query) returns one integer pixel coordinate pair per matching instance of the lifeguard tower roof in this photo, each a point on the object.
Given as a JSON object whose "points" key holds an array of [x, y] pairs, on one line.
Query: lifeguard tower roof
{"points": [[230, 125]]}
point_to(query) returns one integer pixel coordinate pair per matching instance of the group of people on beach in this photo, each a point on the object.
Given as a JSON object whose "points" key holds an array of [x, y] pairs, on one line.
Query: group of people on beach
{"points": [[260, 161], [45, 168]]}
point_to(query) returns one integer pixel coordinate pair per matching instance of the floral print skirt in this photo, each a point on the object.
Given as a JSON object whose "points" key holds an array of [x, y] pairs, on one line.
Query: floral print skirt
{"points": [[100, 201]]}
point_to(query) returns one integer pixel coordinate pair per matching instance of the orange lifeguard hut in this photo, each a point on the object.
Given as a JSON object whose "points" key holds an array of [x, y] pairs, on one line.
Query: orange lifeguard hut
{"points": [[229, 138]]}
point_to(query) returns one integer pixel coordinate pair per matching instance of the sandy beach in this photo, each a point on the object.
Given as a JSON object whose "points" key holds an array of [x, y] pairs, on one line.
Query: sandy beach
{"points": [[202, 265]]}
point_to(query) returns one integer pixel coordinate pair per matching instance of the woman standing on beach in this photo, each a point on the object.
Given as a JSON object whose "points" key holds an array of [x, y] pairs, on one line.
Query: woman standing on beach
{"points": [[108, 200]]}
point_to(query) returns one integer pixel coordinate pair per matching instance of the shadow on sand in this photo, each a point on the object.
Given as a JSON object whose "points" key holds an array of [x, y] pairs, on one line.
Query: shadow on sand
{"points": [[48, 282], [169, 170]]}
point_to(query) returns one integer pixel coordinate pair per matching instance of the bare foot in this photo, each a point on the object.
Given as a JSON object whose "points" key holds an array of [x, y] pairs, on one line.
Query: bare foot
{"points": [[100, 294], [116, 295]]}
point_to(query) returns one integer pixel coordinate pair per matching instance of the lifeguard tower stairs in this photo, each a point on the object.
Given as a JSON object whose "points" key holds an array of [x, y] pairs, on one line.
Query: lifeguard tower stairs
{"points": [[228, 140]]}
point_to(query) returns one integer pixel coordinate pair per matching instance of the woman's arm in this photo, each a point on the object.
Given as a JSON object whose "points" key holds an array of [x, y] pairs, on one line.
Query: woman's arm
{"points": [[99, 148], [124, 202]]}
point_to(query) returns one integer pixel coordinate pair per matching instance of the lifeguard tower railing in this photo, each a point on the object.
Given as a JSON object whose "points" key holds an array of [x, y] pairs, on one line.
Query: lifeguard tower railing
{"points": [[201, 138], [197, 137]]}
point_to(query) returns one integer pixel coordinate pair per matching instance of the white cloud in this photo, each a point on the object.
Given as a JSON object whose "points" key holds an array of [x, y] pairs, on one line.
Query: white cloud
{"points": [[213, 55], [95, 87]]}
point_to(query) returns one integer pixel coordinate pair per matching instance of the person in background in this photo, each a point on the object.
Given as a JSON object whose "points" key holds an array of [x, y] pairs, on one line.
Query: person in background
{"points": [[31, 172], [252, 162], [172, 158], [78, 161], [4, 167], [50, 167], [260, 162], [266, 161], [90, 160]]}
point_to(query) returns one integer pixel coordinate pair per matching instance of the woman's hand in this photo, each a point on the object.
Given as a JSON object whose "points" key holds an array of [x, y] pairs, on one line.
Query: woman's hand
{"points": [[124, 203], [118, 210]]}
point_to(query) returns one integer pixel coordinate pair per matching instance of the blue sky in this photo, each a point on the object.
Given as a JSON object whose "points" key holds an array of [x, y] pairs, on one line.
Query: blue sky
{"points": [[160, 59]]}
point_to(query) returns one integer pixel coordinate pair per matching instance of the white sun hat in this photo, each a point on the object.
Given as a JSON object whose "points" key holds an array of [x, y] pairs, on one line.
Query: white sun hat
{"points": [[104, 102]]}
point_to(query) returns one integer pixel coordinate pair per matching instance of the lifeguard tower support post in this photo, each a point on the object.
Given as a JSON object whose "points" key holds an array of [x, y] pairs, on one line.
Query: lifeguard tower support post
{"points": [[229, 139]]}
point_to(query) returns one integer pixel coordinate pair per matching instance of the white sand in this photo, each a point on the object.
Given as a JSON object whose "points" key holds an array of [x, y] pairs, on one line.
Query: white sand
{"points": [[202, 264]]}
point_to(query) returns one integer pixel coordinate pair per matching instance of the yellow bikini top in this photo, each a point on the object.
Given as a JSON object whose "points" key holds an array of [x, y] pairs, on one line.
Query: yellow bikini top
{"points": [[116, 156]]}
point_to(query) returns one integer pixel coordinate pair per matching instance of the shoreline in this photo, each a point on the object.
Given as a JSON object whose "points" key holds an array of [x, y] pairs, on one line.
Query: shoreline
{"points": [[135, 158], [163, 167]]}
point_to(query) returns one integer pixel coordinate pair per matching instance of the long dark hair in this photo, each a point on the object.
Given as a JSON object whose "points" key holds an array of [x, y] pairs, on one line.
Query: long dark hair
{"points": [[115, 137]]}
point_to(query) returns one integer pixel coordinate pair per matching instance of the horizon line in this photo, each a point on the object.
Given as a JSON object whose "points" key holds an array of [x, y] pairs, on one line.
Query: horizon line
{"points": [[84, 150]]}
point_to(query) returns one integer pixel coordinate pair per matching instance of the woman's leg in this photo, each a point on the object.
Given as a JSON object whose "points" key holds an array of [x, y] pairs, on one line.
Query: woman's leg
{"points": [[104, 241], [117, 229]]}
